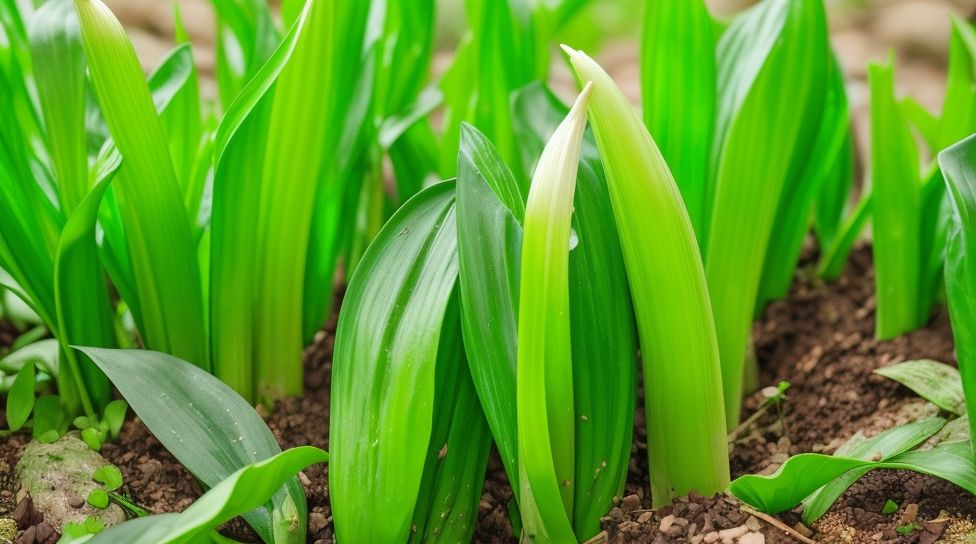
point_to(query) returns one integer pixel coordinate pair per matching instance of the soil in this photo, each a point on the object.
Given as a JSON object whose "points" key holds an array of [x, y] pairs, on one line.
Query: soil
{"points": [[820, 339]]}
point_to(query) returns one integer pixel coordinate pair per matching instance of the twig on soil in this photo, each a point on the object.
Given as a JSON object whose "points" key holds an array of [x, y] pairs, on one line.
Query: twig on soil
{"points": [[776, 523]]}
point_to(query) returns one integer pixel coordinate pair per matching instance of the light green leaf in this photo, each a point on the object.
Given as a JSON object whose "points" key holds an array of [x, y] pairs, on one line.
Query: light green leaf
{"points": [[935, 382], [686, 430], [384, 377]]}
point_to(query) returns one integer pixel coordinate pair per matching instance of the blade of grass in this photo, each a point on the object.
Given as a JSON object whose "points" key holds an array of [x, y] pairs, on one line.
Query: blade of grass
{"points": [[776, 41], [687, 445], [896, 207], [158, 235], [678, 74]]}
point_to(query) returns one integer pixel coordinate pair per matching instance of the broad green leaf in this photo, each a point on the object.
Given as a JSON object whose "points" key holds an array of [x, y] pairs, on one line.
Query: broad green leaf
{"points": [[448, 504], [241, 492], [489, 232], [878, 448], [686, 422], [895, 189], [775, 41], [157, 228], [384, 369], [603, 332], [935, 382], [211, 430], [678, 73], [959, 165], [804, 473], [546, 417], [20, 399]]}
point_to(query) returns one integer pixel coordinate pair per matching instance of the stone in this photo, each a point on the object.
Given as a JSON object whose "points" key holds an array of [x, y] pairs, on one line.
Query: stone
{"points": [[54, 475], [752, 538]]}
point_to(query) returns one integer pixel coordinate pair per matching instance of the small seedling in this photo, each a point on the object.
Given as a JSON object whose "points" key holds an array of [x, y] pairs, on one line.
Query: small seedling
{"points": [[890, 508], [111, 478], [95, 432], [80, 530], [907, 528]]}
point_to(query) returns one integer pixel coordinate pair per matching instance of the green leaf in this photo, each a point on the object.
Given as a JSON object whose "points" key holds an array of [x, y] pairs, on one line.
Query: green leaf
{"points": [[158, 235], [895, 209], [109, 476], [881, 447], [211, 430], [384, 379], [544, 379], [114, 416], [43, 353], [246, 38], [59, 72], [49, 419], [490, 210], [835, 256], [813, 168], [775, 41], [957, 163], [833, 196], [687, 444], [98, 498], [678, 81], [804, 473], [244, 490], [890, 507], [935, 382], [20, 400], [84, 309], [447, 504], [93, 438], [958, 118], [177, 98], [602, 328], [279, 128]]}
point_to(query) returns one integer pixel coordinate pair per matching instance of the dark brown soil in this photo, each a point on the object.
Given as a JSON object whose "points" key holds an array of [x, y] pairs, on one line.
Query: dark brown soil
{"points": [[820, 340]]}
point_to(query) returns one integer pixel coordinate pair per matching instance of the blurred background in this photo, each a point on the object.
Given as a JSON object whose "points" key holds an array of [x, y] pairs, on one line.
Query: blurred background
{"points": [[915, 31]]}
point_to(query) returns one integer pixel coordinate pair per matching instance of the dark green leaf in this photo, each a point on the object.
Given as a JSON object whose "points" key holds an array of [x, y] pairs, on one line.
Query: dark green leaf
{"points": [[211, 430], [20, 400]]}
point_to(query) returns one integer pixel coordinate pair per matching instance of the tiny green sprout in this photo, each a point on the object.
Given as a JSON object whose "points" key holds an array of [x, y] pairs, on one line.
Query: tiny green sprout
{"points": [[90, 526], [93, 438], [890, 507], [98, 498], [110, 476], [907, 528]]}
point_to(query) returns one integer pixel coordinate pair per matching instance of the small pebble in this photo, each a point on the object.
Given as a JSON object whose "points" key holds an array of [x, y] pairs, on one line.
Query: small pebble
{"points": [[733, 533], [710, 537], [76, 502], [910, 514], [630, 502], [753, 524], [316, 522], [44, 531], [752, 538], [666, 523], [645, 517]]}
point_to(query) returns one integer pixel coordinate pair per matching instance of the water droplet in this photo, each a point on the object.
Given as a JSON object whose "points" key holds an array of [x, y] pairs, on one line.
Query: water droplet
{"points": [[573, 239]]}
